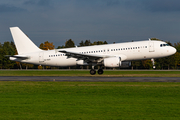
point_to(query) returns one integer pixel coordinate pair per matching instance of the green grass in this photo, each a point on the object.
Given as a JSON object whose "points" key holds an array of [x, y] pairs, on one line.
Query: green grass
{"points": [[89, 100], [125, 73]]}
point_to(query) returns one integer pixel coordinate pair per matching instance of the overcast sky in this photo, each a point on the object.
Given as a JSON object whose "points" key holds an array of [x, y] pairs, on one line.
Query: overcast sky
{"points": [[96, 20]]}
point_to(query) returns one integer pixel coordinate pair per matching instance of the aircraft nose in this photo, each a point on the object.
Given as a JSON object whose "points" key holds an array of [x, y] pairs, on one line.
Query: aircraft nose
{"points": [[173, 50]]}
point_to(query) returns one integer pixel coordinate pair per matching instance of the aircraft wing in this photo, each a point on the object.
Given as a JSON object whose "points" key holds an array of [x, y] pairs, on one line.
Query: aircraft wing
{"points": [[85, 57]]}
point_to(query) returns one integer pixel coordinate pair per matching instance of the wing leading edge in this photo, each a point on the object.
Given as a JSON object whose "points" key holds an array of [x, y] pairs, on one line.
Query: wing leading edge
{"points": [[89, 58]]}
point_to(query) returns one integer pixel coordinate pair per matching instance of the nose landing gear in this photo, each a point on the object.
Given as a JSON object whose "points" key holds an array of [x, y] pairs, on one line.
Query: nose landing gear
{"points": [[152, 60]]}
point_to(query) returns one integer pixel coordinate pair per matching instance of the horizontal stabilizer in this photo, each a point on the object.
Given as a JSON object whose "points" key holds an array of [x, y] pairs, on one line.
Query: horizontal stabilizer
{"points": [[22, 57]]}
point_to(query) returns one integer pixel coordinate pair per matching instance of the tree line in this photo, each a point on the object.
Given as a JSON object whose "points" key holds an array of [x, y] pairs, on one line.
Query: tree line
{"points": [[8, 48]]}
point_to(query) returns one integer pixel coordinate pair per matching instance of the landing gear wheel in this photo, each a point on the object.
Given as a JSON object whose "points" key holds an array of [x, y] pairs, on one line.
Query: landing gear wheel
{"points": [[92, 71], [100, 71]]}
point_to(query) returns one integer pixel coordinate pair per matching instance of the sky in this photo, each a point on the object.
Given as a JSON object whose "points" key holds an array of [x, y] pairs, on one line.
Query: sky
{"points": [[95, 20]]}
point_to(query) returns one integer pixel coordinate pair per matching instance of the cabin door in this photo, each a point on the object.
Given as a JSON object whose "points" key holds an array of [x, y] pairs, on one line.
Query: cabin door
{"points": [[41, 57], [151, 46]]}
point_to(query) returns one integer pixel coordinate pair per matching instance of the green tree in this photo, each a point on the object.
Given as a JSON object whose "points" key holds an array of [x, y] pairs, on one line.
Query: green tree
{"points": [[136, 64], [1, 55], [175, 60], [177, 46], [7, 49], [105, 42], [98, 43], [81, 43], [87, 43], [147, 64], [61, 47], [69, 44]]}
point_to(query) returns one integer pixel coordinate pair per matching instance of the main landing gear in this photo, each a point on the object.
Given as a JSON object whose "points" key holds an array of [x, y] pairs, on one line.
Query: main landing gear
{"points": [[93, 71]]}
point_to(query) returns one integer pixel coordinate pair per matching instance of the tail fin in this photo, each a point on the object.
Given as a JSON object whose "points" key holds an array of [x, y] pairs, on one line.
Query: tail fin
{"points": [[22, 42]]}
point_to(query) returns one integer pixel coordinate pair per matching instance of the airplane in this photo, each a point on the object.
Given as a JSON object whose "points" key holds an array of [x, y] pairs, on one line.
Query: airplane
{"points": [[109, 55]]}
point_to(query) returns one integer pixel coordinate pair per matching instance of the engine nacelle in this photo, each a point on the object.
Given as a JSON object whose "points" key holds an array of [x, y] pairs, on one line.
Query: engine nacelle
{"points": [[112, 62]]}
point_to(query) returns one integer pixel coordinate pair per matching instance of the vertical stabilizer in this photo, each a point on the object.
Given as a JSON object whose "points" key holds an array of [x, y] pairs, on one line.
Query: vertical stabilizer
{"points": [[23, 43]]}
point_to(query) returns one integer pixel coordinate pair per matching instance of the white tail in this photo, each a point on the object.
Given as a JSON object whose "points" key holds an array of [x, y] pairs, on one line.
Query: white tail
{"points": [[22, 42]]}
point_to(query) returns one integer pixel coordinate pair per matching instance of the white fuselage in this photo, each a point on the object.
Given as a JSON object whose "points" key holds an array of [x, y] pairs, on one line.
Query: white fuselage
{"points": [[128, 51]]}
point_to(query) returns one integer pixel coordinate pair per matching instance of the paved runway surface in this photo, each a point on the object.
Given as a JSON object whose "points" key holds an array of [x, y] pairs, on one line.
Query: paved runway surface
{"points": [[90, 79]]}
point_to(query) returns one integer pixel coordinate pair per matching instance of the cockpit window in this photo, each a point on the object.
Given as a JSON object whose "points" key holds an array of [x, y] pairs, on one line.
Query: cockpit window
{"points": [[163, 45]]}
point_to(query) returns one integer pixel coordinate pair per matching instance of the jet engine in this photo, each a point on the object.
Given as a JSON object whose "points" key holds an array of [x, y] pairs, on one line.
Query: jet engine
{"points": [[112, 62]]}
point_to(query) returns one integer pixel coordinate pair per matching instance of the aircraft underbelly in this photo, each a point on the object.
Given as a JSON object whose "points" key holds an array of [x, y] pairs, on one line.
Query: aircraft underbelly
{"points": [[61, 62]]}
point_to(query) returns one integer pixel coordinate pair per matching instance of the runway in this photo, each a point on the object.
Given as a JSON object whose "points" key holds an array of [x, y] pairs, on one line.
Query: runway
{"points": [[89, 79]]}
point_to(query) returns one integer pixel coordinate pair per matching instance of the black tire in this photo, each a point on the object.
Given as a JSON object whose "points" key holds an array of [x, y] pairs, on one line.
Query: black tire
{"points": [[92, 72], [100, 71]]}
